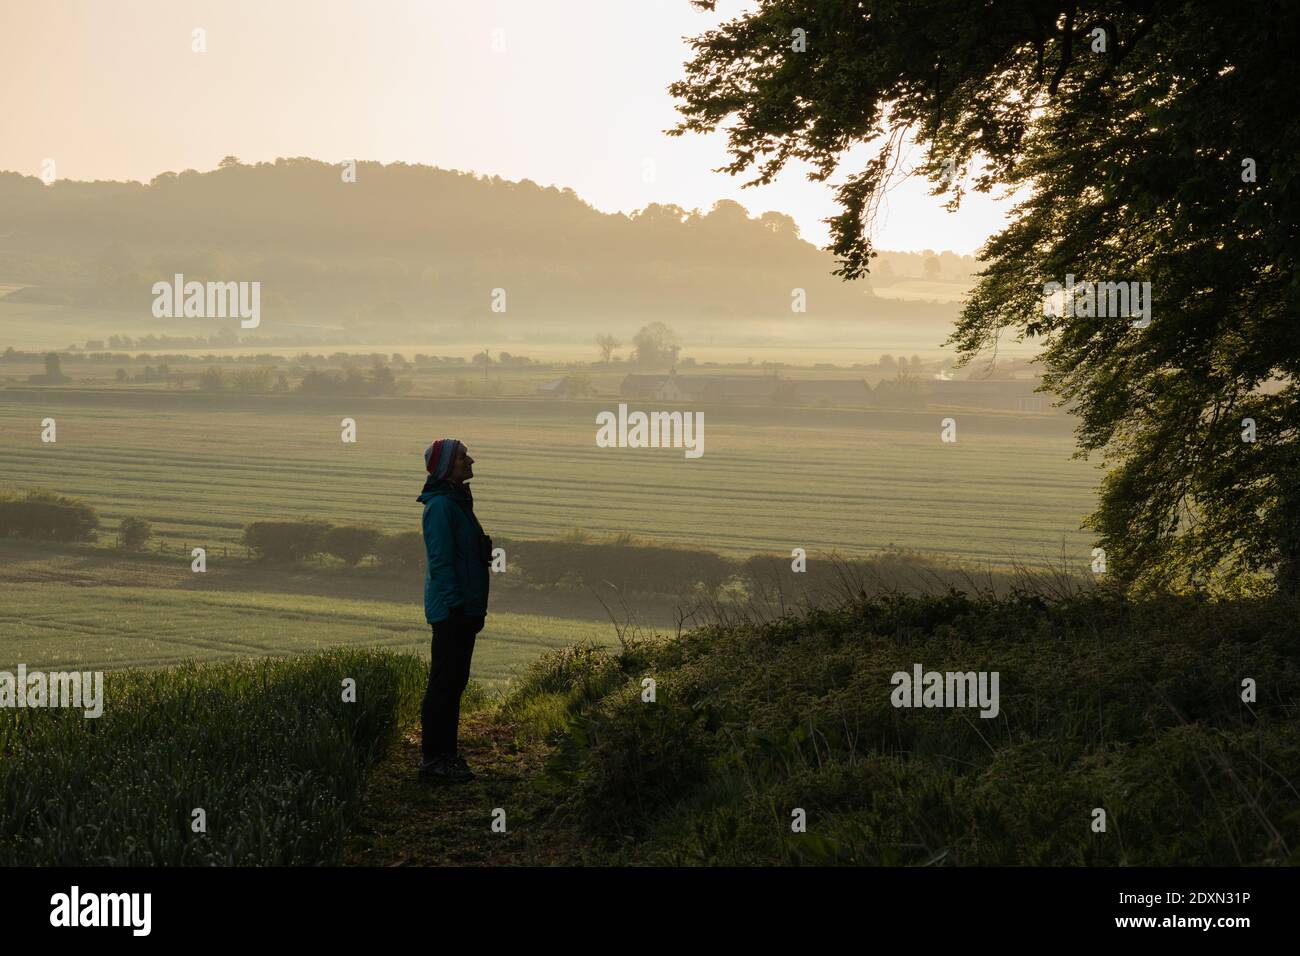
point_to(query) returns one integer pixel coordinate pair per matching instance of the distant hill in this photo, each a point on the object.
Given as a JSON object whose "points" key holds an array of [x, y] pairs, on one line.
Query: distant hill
{"points": [[416, 247]]}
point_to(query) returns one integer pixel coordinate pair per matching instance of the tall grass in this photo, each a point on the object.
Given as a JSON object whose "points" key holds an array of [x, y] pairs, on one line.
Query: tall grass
{"points": [[1132, 707], [268, 749]]}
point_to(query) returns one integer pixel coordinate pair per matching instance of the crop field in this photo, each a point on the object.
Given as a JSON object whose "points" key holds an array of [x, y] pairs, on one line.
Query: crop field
{"points": [[768, 481], [109, 628]]}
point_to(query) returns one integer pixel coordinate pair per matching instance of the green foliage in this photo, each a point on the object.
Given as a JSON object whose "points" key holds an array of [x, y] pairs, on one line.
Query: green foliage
{"points": [[45, 516], [351, 542], [904, 390], [349, 382], [54, 368], [559, 685], [253, 380], [135, 532], [267, 748], [401, 553], [297, 540], [655, 346], [286, 540], [382, 380], [607, 345], [213, 379], [1132, 707], [583, 672], [1133, 159], [578, 561]]}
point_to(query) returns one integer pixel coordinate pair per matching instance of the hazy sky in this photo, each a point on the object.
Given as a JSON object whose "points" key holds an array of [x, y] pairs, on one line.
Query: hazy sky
{"points": [[111, 89]]}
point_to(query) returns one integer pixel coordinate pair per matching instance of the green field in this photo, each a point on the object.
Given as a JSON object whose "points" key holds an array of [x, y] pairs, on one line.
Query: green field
{"points": [[770, 480], [109, 628], [855, 482]]}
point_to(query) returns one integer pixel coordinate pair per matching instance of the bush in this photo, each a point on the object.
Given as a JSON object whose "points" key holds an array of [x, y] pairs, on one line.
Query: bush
{"points": [[401, 553], [559, 685], [213, 379], [349, 382], [45, 516], [253, 380], [286, 540], [618, 562], [135, 533], [1134, 707], [904, 390], [351, 542], [829, 578]]}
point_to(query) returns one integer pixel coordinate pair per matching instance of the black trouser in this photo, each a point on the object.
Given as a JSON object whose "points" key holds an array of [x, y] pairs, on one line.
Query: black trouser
{"points": [[453, 646]]}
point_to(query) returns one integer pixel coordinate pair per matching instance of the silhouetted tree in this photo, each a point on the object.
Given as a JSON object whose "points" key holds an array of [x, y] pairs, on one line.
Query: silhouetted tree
{"points": [[1152, 143], [655, 346], [134, 532], [54, 368], [351, 542], [213, 379], [607, 344]]}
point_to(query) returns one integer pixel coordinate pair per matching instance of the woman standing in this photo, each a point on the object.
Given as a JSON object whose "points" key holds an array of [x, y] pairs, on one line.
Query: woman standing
{"points": [[455, 601]]}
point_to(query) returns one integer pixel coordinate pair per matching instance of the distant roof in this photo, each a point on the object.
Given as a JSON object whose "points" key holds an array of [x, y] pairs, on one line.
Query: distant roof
{"points": [[702, 381], [850, 385], [640, 379], [984, 384], [759, 385]]}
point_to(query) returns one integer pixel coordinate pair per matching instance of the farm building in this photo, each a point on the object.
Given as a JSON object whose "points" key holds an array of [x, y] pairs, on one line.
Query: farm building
{"points": [[556, 388], [739, 389], [1012, 394], [832, 391], [641, 386]]}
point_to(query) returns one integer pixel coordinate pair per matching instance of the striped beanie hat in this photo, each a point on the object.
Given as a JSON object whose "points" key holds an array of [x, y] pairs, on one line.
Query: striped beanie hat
{"points": [[440, 456]]}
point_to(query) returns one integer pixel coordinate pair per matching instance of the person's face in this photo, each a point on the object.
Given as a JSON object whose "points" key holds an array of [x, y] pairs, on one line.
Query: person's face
{"points": [[462, 469]]}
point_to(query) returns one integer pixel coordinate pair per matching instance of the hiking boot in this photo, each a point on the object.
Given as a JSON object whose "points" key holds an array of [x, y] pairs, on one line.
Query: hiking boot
{"points": [[461, 766], [444, 768]]}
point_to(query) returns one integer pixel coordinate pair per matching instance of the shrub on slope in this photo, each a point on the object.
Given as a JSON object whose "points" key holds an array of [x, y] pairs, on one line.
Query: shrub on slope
{"points": [[1132, 708]]}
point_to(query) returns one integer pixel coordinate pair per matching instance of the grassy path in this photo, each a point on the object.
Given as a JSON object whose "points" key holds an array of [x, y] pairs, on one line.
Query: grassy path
{"points": [[409, 823]]}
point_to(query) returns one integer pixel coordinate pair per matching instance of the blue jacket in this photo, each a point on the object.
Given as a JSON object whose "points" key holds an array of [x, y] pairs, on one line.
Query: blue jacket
{"points": [[456, 575]]}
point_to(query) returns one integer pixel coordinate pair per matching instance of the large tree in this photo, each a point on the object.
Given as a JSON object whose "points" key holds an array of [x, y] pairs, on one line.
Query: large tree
{"points": [[1150, 142], [655, 346]]}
